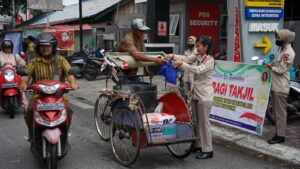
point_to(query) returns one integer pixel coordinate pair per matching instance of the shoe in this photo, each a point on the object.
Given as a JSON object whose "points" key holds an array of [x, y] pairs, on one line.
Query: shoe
{"points": [[205, 155], [196, 150], [276, 139]]}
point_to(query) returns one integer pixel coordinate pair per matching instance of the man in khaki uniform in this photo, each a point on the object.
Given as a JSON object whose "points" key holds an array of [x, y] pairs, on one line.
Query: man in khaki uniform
{"points": [[188, 77], [133, 43], [281, 82], [202, 92]]}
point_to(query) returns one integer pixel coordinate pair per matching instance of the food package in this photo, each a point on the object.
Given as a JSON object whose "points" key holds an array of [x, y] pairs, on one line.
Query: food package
{"points": [[158, 119]]}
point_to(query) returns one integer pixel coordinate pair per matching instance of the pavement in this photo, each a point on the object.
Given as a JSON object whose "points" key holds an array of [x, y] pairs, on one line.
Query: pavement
{"points": [[288, 154]]}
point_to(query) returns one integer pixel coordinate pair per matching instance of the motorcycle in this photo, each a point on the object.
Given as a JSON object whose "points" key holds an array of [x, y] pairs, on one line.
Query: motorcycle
{"points": [[11, 97], [50, 121], [293, 100], [89, 64]]}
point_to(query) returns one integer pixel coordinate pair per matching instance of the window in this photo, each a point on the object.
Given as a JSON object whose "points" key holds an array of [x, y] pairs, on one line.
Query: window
{"points": [[174, 19], [223, 28]]}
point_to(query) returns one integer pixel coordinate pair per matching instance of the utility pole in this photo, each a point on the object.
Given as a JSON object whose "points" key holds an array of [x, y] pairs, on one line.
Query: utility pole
{"points": [[13, 16], [80, 27]]}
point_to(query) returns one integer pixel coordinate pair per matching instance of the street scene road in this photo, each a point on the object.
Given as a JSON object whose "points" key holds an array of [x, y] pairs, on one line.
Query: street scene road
{"points": [[88, 151]]}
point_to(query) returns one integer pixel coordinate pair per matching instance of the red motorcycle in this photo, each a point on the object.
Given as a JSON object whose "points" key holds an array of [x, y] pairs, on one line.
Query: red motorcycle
{"points": [[50, 122], [11, 97]]}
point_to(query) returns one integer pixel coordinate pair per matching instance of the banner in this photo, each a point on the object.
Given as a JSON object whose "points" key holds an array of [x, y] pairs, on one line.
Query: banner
{"points": [[241, 94], [65, 38], [45, 4]]}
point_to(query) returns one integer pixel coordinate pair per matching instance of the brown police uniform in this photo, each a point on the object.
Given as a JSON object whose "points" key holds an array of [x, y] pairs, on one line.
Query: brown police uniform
{"points": [[281, 81], [202, 92]]}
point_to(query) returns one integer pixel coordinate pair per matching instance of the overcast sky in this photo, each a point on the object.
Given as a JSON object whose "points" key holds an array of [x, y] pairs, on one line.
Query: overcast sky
{"points": [[69, 2]]}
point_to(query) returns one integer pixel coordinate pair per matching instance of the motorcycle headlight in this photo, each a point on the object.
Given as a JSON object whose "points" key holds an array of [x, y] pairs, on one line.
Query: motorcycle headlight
{"points": [[49, 89], [9, 75]]}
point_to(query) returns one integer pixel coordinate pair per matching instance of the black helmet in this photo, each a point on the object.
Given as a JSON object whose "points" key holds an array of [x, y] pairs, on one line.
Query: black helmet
{"points": [[207, 40], [6, 43], [46, 39]]}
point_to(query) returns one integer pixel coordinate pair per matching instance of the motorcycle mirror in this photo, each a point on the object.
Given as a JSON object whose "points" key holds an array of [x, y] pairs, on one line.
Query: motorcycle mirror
{"points": [[74, 70], [254, 58], [22, 72]]}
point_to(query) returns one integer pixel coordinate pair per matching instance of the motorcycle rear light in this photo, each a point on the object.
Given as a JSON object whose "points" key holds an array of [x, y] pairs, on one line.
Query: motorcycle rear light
{"points": [[43, 119], [52, 115]]}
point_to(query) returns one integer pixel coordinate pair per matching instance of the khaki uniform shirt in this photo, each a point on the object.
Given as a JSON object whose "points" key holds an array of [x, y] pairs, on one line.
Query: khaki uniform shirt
{"points": [[189, 76], [203, 68], [14, 59], [129, 44], [280, 70]]}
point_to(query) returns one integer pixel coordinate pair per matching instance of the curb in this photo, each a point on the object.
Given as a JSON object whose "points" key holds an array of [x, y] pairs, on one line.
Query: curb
{"points": [[254, 145]]}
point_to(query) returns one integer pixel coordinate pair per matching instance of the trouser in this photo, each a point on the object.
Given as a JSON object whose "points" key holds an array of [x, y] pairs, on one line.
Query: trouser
{"points": [[279, 103], [201, 111], [187, 87], [29, 115]]}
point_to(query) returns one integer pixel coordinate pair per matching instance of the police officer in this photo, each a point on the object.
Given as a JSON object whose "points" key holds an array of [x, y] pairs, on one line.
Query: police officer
{"points": [[281, 81], [189, 76], [202, 92]]}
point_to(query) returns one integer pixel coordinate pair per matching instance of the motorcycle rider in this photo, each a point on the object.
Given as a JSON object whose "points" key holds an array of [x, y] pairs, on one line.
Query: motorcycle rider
{"points": [[133, 43], [46, 66], [7, 55], [281, 81]]}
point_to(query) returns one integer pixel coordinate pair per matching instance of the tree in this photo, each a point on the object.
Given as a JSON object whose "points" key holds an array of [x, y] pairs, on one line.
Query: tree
{"points": [[6, 6]]}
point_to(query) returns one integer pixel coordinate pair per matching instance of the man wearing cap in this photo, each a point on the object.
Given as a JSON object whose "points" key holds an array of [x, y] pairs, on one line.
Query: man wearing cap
{"points": [[133, 43]]}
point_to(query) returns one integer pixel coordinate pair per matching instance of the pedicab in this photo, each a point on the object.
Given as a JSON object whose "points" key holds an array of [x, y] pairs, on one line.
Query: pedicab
{"points": [[131, 117]]}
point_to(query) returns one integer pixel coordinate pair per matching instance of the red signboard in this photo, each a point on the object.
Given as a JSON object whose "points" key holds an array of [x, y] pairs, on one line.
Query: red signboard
{"points": [[204, 20], [65, 38]]}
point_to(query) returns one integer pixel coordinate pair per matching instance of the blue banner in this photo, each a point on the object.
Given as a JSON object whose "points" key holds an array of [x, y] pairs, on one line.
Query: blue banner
{"points": [[264, 13]]}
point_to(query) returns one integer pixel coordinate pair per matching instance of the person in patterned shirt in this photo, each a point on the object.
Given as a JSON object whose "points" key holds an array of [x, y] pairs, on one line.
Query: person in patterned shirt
{"points": [[46, 66]]}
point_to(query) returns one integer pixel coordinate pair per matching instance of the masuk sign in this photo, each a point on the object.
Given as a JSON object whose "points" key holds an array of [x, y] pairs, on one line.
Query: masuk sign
{"points": [[263, 27]]}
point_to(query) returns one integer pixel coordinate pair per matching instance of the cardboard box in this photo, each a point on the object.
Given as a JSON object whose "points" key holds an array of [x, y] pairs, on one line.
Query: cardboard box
{"points": [[161, 133]]}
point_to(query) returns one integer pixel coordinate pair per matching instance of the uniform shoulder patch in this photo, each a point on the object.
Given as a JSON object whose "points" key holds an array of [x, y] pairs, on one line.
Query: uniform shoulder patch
{"points": [[285, 57]]}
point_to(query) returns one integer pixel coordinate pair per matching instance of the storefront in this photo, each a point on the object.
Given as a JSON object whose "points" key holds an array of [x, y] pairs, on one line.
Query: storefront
{"points": [[198, 17]]}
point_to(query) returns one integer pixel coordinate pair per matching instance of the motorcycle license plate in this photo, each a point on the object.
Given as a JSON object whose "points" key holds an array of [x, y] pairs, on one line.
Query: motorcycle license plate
{"points": [[10, 85], [50, 106]]}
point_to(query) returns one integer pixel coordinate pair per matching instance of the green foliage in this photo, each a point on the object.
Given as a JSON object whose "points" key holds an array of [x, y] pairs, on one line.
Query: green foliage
{"points": [[6, 6]]}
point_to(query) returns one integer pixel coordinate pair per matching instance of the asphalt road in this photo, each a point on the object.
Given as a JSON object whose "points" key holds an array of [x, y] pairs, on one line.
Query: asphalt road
{"points": [[89, 152]]}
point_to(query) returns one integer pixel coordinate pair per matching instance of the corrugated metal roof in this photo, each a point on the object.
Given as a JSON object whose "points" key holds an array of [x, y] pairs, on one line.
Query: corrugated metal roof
{"points": [[89, 8]]}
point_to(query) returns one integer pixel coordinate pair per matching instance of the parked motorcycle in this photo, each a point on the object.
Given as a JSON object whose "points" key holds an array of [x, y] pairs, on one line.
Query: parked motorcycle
{"points": [[89, 63], [50, 122], [10, 94], [293, 100]]}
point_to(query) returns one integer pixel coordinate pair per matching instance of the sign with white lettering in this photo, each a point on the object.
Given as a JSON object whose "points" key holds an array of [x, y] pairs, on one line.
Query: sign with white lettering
{"points": [[263, 27], [264, 13], [265, 3], [241, 95], [203, 20]]}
